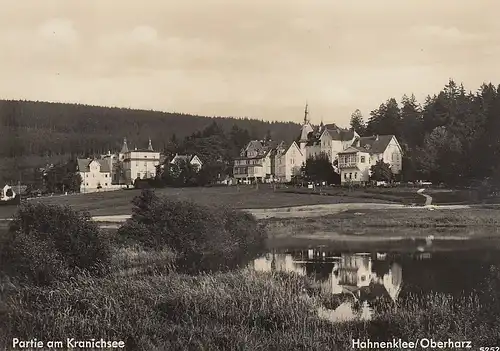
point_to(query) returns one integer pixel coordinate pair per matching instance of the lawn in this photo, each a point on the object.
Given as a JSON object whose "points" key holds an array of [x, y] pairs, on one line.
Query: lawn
{"points": [[119, 202]]}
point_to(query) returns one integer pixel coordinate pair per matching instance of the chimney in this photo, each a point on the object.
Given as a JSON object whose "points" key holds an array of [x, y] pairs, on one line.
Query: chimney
{"points": [[376, 137]]}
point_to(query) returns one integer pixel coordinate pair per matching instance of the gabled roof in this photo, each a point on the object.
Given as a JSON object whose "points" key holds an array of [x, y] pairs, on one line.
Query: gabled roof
{"points": [[285, 146], [341, 134], [84, 163], [254, 145], [187, 158], [375, 144], [262, 149]]}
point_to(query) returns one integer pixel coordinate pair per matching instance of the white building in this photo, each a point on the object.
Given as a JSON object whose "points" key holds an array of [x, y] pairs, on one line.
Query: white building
{"points": [[288, 161], [95, 174], [139, 163], [356, 161]]}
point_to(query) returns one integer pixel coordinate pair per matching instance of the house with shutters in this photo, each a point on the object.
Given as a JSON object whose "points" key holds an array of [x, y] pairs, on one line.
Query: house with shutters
{"points": [[95, 174], [356, 161], [256, 162]]}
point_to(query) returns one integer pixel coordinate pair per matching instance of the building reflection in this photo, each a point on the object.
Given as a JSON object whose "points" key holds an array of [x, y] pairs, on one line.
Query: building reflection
{"points": [[363, 276]]}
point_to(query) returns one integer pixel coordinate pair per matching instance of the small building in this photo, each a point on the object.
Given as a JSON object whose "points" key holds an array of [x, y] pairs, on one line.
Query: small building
{"points": [[8, 193], [95, 174], [194, 160]]}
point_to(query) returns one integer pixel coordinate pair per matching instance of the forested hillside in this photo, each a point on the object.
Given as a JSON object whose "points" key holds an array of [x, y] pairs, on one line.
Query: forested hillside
{"points": [[33, 133], [453, 137]]}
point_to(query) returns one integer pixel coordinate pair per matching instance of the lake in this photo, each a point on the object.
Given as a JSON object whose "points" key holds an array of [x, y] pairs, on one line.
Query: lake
{"points": [[365, 278]]}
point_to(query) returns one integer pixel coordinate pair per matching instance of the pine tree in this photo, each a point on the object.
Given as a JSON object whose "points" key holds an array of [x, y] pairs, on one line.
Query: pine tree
{"points": [[357, 123]]}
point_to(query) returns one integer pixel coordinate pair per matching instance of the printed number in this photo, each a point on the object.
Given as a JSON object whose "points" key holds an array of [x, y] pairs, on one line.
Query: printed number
{"points": [[492, 348]]}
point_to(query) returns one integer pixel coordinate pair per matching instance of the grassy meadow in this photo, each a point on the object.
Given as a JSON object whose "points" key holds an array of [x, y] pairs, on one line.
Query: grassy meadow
{"points": [[61, 276], [119, 202]]}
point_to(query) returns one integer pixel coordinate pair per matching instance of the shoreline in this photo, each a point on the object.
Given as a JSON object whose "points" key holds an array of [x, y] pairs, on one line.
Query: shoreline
{"points": [[310, 211]]}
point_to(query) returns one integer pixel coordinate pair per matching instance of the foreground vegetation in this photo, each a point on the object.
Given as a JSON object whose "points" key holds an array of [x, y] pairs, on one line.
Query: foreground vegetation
{"points": [[147, 299]]}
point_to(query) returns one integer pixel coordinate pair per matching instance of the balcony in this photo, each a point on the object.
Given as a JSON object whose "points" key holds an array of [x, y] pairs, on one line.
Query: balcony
{"points": [[345, 165]]}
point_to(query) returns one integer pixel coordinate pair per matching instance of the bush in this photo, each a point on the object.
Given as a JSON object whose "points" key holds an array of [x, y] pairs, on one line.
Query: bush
{"points": [[49, 242], [203, 238]]}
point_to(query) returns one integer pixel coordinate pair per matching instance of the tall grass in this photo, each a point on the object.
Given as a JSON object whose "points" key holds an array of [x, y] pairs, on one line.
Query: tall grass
{"points": [[142, 300], [228, 311]]}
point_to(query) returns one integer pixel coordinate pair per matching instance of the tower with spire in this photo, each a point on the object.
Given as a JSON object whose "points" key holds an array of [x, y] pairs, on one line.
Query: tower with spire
{"points": [[124, 150], [150, 146], [304, 134]]}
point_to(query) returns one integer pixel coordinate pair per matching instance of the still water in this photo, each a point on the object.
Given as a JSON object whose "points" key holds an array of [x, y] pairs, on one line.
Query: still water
{"points": [[363, 278]]}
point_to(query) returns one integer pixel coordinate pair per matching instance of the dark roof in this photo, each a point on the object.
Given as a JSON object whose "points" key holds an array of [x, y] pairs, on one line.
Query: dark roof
{"points": [[375, 144], [340, 133], [254, 145], [258, 146], [83, 165]]}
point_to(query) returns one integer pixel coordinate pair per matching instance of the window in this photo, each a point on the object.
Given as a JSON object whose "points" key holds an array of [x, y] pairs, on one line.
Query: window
{"points": [[355, 175], [138, 175], [345, 175], [105, 176], [350, 175], [363, 159], [106, 184], [87, 184]]}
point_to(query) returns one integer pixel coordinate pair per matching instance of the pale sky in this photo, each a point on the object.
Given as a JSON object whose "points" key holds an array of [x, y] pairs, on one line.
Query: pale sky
{"points": [[257, 58]]}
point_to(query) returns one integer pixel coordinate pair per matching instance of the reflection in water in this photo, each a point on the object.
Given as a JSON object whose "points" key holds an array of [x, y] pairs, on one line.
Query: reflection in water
{"points": [[360, 277], [360, 281]]}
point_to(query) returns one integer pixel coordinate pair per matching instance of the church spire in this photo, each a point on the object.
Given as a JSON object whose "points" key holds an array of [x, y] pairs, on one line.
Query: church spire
{"points": [[124, 147], [306, 114], [150, 146]]}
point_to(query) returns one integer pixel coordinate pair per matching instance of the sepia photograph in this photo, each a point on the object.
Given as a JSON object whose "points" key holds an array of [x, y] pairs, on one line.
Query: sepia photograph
{"points": [[249, 175]]}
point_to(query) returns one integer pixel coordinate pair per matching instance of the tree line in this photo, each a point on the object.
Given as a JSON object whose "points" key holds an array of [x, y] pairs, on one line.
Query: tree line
{"points": [[33, 134], [451, 138]]}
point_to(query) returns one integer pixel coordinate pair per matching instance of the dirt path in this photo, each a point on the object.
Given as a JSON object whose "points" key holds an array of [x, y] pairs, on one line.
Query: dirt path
{"points": [[428, 198]]}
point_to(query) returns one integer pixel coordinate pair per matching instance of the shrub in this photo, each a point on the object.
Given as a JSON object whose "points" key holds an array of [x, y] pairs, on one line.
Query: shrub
{"points": [[48, 242], [204, 238]]}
